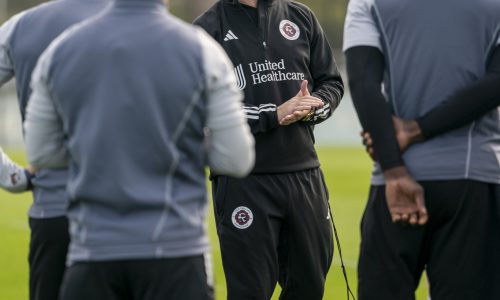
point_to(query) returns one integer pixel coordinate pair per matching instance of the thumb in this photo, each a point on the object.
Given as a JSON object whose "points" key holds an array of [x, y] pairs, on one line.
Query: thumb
{"points": [[303, 88], [423, 217]]}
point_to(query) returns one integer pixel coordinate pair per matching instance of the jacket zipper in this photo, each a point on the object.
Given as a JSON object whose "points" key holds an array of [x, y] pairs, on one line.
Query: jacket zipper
{"points": [[265, 26], [262, 25]]}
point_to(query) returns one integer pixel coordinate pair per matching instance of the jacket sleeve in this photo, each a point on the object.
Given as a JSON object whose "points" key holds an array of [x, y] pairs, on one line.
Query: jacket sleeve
{"points": [[230, 143], [327, 81], [467, 104], [13, 177], [261, 118], [365, 66], [6, 32], [45, 138]]}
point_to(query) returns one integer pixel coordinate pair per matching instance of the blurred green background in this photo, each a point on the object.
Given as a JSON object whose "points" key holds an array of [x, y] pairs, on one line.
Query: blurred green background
{"points": [[331, 13]]}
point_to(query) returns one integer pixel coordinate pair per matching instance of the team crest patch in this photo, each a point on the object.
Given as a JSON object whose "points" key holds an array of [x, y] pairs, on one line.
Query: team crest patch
{"points": [[289, 30], [242, 217]]}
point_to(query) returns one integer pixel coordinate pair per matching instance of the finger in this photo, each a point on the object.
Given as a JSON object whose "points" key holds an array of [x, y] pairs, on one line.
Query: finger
{"points": [[303, 88], [309, 101], [396, 218], [422, 210], [423, 217], [285, 119], [300, 114], [309, 97], [413, 219], [369, 141], [371, 153], [405, 217], [302, 108], [285, 122], [365, 135]]}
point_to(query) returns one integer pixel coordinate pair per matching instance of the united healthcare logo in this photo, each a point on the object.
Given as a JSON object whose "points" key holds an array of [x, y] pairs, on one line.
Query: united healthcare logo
{"points": [[241, 82], [266, 71]]}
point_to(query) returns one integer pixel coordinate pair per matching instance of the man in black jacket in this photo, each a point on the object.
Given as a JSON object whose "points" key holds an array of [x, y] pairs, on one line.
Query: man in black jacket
{"points": [[275, 225]]}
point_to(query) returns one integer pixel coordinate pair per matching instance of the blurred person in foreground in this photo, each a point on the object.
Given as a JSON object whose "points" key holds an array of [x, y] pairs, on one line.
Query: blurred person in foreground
{"points": [[275, 225], [131, 124], [23, 38], [433, 70]]}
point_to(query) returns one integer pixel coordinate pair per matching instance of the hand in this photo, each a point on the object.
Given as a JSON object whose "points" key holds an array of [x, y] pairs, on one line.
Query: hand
{"points": [[405, 197], [30, 169], [298, 107], [368, 143], [408, 132]]}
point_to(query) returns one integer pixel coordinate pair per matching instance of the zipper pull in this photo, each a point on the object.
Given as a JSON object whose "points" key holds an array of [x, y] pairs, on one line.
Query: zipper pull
{"points": [[265, 45]]}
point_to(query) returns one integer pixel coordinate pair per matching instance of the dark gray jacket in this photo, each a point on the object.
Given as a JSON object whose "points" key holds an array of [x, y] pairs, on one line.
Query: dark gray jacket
{"points": [[22, 39], [127, 99]]}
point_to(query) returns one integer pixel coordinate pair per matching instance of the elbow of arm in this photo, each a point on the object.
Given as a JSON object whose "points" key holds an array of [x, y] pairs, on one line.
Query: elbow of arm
{"points": [[44, 152], [235, 159], [245, 165], [38, 161]]}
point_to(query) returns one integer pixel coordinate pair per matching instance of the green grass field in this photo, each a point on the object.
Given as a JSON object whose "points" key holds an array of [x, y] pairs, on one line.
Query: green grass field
{"points": [[347, 175]]}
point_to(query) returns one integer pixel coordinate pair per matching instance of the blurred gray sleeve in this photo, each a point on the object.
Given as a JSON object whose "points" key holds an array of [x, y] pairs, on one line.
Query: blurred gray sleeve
{"points": [[6, 32], [45, 139], [230, 142], [12, 177], [360, 28]]}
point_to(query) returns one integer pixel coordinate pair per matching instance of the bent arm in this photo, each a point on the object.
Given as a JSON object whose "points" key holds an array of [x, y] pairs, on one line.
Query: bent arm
{"points": [[365, 66], [45, 139], [230, 142], [467, 104], [328, 84]]}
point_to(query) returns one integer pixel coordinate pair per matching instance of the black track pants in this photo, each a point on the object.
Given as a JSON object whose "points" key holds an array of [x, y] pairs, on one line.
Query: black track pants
{"points": [[274, 228], [47, 257], [150, 279], [456, 246]]}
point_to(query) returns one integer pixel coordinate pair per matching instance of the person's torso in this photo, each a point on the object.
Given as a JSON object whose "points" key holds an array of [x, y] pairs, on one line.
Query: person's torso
{"points": [[33, 33], [270, 52], [432, 50], [134, 115]]}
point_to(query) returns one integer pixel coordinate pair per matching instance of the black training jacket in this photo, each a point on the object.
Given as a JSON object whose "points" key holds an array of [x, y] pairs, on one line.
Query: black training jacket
{"points": [[272, 54]]}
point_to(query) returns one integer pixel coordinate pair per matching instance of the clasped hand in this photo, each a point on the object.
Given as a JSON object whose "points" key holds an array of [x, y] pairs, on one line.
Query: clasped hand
{"points": [[299, 106]]}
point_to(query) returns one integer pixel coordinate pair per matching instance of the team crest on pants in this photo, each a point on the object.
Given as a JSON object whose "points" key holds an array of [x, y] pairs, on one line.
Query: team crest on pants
{"points": [[242, 217]]}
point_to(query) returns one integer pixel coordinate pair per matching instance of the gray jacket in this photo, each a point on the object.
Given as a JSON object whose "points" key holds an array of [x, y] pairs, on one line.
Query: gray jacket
{"points": [[22, 39], [137, 103]]}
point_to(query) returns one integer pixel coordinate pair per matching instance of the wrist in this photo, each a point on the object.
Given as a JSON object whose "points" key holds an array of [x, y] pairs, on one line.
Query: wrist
{"points": [[414, 131], [309, 116], [396, 173], [280, 114], [30, 174]]}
